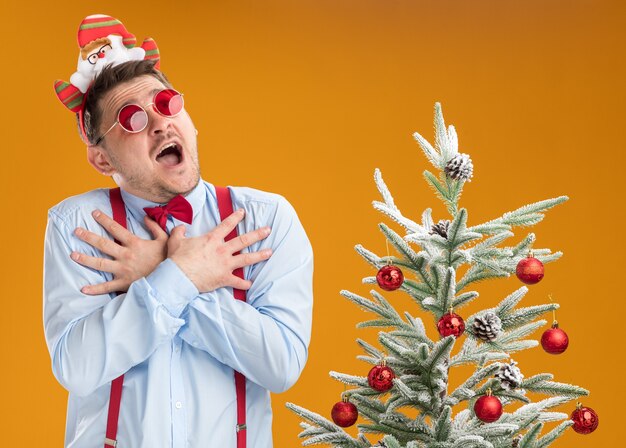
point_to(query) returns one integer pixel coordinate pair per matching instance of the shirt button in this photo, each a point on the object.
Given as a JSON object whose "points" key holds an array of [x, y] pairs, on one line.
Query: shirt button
{"points": [[178, 405]]}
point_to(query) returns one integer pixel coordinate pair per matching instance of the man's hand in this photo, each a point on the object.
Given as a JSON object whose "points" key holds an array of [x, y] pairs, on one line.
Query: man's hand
{"points": [[208, 261], [133, 257]]}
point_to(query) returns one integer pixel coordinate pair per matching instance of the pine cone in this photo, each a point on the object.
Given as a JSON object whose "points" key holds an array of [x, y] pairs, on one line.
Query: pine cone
{"points": [[510, 376], [460, 167], [487, 327], [441, 228]]}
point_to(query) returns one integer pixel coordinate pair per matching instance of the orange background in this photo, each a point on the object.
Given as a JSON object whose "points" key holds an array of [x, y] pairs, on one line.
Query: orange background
{"points": [[306, 98]]}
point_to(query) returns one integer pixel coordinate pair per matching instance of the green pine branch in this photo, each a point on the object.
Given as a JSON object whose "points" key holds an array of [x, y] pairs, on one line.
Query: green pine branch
{"points": [[324, 431], [554, 434], [524, 216], [542, 384]]}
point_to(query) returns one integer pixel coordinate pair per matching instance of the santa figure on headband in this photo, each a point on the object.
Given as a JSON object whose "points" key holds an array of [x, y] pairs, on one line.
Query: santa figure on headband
{"points": [[103, 40]]}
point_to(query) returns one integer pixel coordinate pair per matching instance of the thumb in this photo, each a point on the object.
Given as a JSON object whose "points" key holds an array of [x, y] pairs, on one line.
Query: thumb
{"points": [[155, 229], [176, 236], [178, 232]]}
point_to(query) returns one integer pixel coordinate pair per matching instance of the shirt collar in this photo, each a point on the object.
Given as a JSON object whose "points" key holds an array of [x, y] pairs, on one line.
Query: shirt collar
{"points": [[135, 204]]}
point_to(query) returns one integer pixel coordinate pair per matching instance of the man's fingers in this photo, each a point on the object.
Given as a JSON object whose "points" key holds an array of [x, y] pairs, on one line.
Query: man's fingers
{"points": [[105, 288], [239, 283], [157, 232], [113, 228], [226, 226], [105, 245], [97, 263], [245, 240], [248, 259]]}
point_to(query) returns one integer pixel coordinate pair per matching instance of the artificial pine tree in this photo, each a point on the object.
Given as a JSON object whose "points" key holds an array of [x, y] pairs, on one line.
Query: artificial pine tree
{"points": [[412, 370]]}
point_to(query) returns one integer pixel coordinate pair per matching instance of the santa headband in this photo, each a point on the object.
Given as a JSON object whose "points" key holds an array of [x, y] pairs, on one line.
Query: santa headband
{"points": [[103, 40]]}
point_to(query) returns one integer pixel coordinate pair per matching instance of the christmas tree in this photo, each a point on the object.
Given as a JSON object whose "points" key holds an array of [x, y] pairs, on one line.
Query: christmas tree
{"points": [[406, 398]]}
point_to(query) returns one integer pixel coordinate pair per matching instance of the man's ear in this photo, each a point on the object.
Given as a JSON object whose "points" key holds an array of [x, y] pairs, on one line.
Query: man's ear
{"points": [[99, 159]]}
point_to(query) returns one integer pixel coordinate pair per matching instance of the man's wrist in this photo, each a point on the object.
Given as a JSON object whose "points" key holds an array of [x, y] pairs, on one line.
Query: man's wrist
{"points": [[171, 286]]}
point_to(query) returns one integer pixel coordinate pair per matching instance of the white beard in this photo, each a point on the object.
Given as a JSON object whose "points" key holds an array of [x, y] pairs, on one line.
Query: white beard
{"points": [[118, 54]]}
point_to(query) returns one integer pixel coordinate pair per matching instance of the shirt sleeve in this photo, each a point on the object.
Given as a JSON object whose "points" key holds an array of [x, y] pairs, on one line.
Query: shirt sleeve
{"points": [[94, 339], [265, 338]]}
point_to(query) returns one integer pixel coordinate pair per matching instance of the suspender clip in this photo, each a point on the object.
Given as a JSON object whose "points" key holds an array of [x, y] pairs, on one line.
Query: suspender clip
{"points": [[242, 427], [110, 442]]}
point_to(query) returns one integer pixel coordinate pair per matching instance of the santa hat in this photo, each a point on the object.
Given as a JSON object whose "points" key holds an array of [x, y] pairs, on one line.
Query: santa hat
{"points": [[98, 25]]}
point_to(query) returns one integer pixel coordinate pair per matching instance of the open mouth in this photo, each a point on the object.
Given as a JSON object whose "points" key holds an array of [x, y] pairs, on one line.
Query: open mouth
{"points": [[170, 154]]}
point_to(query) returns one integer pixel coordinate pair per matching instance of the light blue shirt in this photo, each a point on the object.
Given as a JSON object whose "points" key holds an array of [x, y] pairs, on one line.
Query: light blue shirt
{"points": [[176, 347]]}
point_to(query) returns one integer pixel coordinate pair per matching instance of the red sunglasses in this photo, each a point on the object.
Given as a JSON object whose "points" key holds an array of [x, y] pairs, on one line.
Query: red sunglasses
{"points": [[133, 118]]}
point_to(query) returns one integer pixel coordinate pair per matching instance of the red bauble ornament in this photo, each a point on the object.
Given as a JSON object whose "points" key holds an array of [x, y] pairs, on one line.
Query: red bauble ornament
{"points": [[488, 408], [529, 270], [381, 378], [344, 413], [451, 324], [585, 420], [554, 340], [389, 277]]}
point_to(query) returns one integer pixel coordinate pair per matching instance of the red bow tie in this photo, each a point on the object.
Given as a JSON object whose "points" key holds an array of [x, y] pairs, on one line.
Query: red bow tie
{"points": [[178, 207]]}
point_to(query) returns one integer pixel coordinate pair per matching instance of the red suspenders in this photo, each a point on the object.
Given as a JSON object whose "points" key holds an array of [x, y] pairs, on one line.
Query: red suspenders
{"points": [[225, 205], [119, 215]]}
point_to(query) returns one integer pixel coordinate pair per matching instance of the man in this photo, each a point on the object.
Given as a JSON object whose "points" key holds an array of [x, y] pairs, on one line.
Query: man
{"points": [[174, 332]]}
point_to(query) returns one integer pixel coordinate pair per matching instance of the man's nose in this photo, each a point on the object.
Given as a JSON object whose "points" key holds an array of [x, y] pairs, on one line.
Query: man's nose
{"points": [[157, 123]]}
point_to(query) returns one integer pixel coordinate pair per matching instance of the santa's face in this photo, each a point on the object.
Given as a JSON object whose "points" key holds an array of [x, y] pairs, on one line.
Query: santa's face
{"points": [[155, 164], [96, 50], [96, 55]]}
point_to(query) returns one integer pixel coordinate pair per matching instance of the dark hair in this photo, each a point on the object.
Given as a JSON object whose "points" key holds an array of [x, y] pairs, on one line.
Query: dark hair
{"points": [[109, 77]]}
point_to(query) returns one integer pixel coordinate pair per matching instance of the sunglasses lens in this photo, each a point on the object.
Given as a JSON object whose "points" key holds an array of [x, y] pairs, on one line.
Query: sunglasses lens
{"points": [[133, 118], [168, 102]]}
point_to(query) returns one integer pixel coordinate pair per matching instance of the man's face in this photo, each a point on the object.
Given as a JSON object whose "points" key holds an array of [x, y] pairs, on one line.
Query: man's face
{"points": [[137, 161]]}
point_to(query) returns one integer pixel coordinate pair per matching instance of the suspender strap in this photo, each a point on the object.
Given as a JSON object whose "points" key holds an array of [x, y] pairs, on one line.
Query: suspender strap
{"points": [[110, 441], [225, 205]]}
